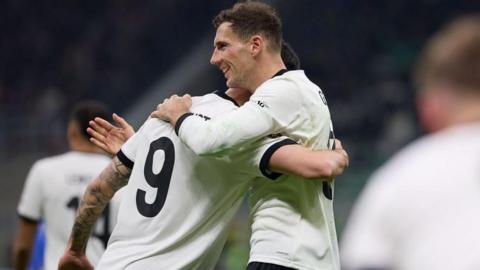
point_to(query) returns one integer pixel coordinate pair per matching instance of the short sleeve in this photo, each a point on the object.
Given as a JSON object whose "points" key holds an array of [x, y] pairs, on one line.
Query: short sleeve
{"points": [[32, 198], [254, 158]]}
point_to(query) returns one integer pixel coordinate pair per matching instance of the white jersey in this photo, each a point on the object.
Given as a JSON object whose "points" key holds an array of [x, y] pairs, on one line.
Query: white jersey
{"points": [[421, 210], [178, 206], [52, 193], [292, 218]]}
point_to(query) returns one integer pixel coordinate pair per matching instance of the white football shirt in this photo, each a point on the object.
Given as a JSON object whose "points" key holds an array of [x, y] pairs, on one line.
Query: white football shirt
{"points": [[292, 218], [177, 206], [421, 210], [52, 193]]}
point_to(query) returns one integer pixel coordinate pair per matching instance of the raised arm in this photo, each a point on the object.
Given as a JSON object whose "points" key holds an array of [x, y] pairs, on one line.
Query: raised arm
{"points": [[246, 123], [98, 193], [297, 160]]}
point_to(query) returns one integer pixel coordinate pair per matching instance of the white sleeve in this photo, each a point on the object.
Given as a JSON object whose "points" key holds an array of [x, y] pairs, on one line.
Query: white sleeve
{"points": [[253, 159], [269, 110], [32, 198], [368, 242]]}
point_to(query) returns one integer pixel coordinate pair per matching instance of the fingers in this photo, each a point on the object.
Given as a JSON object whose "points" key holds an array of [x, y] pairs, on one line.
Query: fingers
{"points": [[120, 121], [98, 128], [338, 144], [100, 145], [188, 100], [104, 123], [96, 134]]}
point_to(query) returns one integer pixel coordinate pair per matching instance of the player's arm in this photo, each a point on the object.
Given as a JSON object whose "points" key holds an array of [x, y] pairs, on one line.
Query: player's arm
{"points": [[98, 193], [23, 245], [246, 123], [297, 160]]}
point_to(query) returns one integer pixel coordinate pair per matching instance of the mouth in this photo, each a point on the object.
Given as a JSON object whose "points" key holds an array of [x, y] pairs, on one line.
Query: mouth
{"points": [[225, 70]]}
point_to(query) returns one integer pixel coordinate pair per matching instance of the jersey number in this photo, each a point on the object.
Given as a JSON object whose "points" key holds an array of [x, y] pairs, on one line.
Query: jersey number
{"points": [[160, 181], [104, 235], [327, 188]]}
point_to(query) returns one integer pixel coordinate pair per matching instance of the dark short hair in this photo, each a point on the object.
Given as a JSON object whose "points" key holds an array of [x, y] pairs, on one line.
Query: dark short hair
{"points": [[85, 111], [452, 56], [290, 57], [250, 18]]}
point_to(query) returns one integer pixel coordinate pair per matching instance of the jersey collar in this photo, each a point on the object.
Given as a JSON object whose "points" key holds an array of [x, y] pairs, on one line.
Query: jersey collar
{"points": [[224, 95], [280, 72]]}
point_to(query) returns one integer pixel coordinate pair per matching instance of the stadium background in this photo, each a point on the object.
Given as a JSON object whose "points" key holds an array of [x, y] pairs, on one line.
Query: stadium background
{"points": [[132, 54]]}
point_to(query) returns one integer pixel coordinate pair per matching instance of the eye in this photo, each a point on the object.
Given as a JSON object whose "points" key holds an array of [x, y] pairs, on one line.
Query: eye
{"points": [[221, 46]]}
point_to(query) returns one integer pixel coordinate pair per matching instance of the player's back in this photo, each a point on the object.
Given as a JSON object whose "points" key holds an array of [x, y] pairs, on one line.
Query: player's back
{"points": [[52, 193], [177, 207], [420, 209]]}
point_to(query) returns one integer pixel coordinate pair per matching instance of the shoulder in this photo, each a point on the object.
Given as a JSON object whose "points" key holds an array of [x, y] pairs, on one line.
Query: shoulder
{"points": [[51, 161], [212, 105], [422, 161]]}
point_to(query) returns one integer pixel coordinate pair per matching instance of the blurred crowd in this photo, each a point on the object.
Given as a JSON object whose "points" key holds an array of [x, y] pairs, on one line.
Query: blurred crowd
{"points": [[361, 53], [54, 53]]}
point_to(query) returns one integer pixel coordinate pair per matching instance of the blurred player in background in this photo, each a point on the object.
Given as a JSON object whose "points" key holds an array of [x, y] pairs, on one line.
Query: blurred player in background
{"points": [[421, 210], [52, 190], [292, 218]]}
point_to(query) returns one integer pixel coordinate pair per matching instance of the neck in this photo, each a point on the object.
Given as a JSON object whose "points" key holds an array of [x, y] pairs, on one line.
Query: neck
{"points": [[240, 95], [84, 146], [267, 66], [468, 111]]}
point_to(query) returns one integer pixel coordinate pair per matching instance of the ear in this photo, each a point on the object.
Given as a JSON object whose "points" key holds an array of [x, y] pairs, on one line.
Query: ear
{"points": [[257, 44], [432, 107]]}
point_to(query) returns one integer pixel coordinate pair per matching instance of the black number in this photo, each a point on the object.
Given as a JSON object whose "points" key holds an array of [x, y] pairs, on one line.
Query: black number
{"points": [[327, 188], [161, 181], [104, 234]]}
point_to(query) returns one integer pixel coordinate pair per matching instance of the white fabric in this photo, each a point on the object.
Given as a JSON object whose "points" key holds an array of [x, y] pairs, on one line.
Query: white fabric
{"points": [[204, 193], [292, 220], [289, 104], [421, 210], [51, 185]]}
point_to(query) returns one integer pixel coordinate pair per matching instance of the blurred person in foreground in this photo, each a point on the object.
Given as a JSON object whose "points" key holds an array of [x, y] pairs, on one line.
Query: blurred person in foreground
{"points": [[421, 210], [52, 190], [178, 207]]}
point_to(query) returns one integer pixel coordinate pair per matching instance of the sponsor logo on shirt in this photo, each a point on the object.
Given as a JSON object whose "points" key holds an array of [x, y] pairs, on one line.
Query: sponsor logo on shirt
{"points": [[206, 118], [262, 104]]}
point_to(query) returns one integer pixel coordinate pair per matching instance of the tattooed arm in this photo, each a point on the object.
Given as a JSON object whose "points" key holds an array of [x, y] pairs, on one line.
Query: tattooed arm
{"points": [[99, 192]]}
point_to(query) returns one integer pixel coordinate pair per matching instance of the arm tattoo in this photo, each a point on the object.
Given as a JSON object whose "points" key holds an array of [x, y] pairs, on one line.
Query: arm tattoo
{"points": [[98, 194]]}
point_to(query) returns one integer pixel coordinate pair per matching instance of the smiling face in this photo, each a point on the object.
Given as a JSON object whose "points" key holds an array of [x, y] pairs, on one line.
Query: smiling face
{"points": [[232, 56]]}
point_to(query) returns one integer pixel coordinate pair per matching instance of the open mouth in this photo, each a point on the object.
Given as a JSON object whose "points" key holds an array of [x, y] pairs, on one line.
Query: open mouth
{"points": [[225, 71]]}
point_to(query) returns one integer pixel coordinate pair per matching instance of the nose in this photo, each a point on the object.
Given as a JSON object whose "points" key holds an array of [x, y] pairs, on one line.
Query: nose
{"points": [[215, 59]]}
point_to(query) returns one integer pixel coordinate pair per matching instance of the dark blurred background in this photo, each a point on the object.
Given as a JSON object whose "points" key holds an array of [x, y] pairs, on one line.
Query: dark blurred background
{"points": [[132, 54]]}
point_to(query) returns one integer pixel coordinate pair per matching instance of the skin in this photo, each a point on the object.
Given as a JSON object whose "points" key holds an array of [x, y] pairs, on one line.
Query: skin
{"points": [[99, 192], [245, 64], [299, 160], [312, 164]]}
